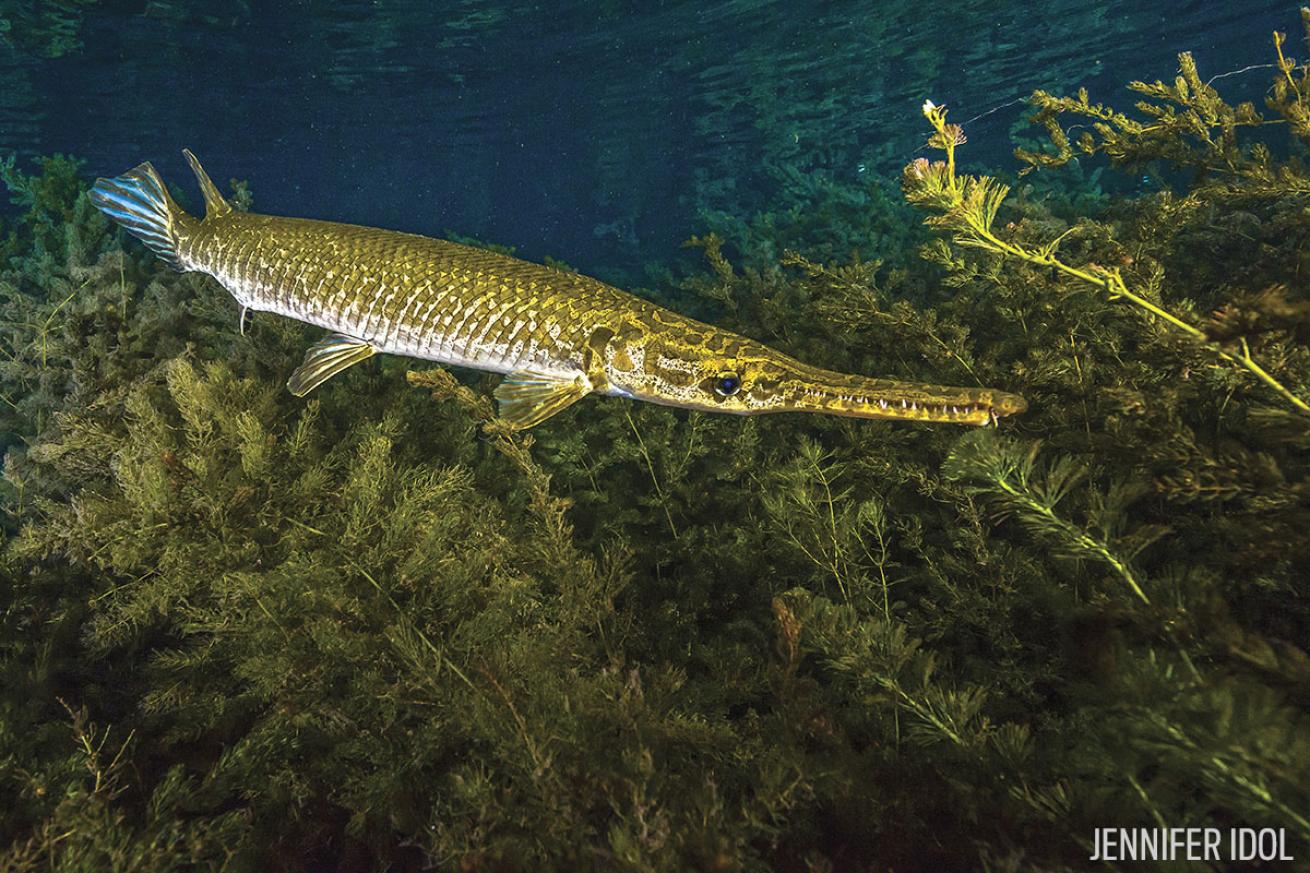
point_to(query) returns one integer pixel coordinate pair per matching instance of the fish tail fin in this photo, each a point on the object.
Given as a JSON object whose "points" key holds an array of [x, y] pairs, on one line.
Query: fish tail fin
{"points": [[215, 205], [139, 202]]}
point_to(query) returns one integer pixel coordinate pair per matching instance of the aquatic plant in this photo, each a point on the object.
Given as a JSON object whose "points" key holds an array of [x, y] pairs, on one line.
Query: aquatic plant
{"points": [[378, 628], [968, 206]]}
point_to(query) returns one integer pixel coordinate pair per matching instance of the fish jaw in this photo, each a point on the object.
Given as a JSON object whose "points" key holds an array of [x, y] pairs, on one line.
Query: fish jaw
{"points": [[852, 396]]}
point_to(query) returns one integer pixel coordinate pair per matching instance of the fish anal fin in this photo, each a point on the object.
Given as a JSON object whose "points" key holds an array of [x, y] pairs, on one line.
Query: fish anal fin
{"points": [[325, 358], [527, 399]]}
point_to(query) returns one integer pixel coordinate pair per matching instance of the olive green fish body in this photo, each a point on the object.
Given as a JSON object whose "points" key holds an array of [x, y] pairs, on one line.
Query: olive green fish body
{"points": [[558, 335], [406, 294]]}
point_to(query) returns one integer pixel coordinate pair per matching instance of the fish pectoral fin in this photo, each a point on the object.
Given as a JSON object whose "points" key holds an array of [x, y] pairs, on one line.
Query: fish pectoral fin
{"points": [[325, 358], [527, 399]]}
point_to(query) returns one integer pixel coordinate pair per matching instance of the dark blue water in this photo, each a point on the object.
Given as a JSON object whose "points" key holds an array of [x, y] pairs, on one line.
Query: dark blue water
{"points": [[601, 133]]}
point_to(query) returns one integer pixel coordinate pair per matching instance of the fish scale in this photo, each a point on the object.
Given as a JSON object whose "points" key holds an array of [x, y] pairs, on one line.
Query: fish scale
{"points": [[404, 294], [558, 335]]}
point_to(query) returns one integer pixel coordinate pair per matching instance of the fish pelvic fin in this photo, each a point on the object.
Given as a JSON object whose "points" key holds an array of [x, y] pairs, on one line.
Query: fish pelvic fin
{"points": [[325, 358], [527, 399], [215, 205], [139, 202]]}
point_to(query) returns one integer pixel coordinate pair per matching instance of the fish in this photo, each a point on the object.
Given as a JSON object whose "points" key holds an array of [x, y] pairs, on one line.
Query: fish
{"points": [[555, 336]]}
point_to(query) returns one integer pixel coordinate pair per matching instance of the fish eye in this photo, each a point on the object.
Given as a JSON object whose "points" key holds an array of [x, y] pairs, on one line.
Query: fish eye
{"points": [[727, 384]]}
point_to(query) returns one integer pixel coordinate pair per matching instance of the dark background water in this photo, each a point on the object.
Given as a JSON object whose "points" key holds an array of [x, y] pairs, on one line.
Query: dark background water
{"points": [[599, 132]]}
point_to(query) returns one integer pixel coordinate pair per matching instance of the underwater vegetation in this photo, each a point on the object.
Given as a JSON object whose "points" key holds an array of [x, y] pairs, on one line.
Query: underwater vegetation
{"points": [[378, 629]]}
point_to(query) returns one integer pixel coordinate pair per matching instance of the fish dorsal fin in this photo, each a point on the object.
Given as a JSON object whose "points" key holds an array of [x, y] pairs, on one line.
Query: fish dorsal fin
{"points": [[325, 358], [527, 399], [215, 205]]}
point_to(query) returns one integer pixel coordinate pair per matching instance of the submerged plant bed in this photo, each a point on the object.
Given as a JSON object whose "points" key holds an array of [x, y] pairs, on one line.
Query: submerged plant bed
{"points": [[378, 629]]}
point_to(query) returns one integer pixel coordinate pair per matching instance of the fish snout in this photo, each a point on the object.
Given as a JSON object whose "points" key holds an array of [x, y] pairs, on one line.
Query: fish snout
{"points": [[1008, 404]]}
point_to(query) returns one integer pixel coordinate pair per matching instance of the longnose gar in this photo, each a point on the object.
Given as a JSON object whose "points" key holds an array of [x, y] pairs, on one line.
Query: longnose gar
{"points": [[557, 335]]}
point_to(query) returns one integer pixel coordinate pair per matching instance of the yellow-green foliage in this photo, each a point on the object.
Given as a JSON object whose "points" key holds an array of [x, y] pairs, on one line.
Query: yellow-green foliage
{"points": [[379, 630]]}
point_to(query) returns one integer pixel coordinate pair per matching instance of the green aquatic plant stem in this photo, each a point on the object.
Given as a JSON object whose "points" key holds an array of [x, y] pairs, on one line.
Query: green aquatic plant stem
{"points": [[1286, 66], [969, 205], [1009, 473], [1081, 538], [650, 468]]}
